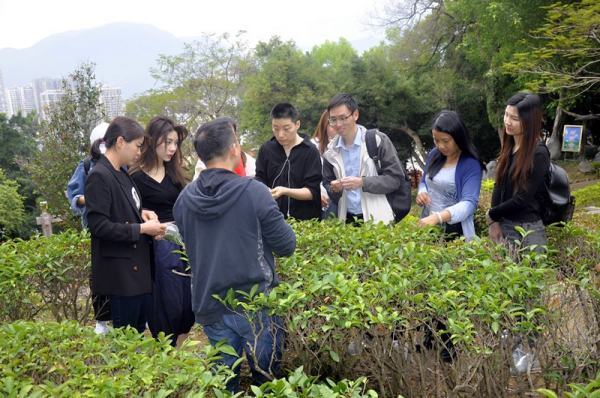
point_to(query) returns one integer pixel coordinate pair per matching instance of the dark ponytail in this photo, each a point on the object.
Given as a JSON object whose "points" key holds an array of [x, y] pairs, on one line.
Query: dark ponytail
{"points": [[121, 126]]}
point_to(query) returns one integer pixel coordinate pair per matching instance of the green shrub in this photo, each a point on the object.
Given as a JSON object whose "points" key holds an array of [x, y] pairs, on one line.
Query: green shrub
{"points": [[12, 212], [46, 277], [64, 359], [589, 390], [359, 301]]}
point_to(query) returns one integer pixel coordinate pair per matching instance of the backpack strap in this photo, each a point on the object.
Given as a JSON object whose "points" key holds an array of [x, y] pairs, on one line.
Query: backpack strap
{"points": [[372, 150], [87, 164]]}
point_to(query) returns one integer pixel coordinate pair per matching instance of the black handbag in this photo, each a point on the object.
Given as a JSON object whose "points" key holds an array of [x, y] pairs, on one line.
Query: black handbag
{"points": [[400, 199]]}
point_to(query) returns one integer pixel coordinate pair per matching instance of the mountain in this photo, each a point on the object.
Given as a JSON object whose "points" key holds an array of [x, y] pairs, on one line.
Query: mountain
{"points": [[123, 53]]}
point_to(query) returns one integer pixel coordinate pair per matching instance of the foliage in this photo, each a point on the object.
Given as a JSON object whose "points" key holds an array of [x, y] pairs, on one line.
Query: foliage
{"points": [[45, 277], [589, 390], [12, 213], [17, 135], [361, 301], [64, 138], [282, 74], [566, 52], [65, 359], [588, 196], [201, 83]]}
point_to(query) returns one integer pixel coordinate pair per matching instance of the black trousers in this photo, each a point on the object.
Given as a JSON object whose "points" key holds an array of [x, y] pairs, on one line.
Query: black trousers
{"points": [[130, 311]]}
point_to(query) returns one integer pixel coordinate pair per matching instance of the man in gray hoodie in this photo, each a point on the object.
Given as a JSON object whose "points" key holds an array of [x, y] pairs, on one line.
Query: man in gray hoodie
{"points": [[231, 227]]}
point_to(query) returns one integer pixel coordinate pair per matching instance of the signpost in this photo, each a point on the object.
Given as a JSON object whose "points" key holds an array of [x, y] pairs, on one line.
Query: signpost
{"points": [[572, 138]]}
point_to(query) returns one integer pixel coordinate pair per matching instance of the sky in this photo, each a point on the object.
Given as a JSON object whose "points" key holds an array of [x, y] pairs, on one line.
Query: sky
{"points": [[307, 22]]}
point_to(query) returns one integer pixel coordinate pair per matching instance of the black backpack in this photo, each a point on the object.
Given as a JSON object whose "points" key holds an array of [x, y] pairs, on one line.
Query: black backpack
{"points": [[400, 199], [557, 202]]}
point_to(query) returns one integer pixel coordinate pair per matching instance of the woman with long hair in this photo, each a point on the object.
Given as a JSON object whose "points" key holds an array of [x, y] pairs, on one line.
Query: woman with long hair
{"points": [[322, 136], [160, 178], [523, 164], [449, 188], [119, 228]]}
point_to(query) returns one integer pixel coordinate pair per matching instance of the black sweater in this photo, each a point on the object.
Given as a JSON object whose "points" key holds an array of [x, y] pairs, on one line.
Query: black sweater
{"points": [[521, 206], [303, 169]]}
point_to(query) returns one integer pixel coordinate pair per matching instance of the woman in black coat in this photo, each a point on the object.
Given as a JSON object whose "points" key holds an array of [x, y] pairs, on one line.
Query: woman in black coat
{"points": [[120, 231]]}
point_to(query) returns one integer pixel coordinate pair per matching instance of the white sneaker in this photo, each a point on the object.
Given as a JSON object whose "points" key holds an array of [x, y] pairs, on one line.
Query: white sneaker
{"points": [[101, 328]]}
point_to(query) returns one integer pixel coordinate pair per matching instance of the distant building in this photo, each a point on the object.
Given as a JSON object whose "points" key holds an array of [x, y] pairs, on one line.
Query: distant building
{"points": [[3, 102], [47, 99], [42, 85], [110, 98], [20, 99]]}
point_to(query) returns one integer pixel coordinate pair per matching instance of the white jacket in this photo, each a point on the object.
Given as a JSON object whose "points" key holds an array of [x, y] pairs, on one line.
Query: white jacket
{"points": [[375, 206]]}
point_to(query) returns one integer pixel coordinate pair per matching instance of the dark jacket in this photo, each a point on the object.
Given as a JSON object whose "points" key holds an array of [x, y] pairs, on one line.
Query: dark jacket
{"points": [[120, 255], [303, 169], [525, 205], [231, 227]]}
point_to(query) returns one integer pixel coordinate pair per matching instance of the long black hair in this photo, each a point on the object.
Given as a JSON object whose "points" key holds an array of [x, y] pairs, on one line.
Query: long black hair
{"points": [[120, 126], [156, 133], [450, 123], [529, 107]]}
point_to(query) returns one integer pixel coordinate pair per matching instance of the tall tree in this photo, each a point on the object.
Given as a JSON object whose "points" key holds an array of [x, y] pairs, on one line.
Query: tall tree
{"points": [[283, 73], [64, 137], [201, 83]]}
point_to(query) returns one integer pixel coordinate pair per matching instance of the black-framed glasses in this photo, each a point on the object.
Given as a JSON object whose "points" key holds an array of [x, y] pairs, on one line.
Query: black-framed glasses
{"points": [[340, 119]]}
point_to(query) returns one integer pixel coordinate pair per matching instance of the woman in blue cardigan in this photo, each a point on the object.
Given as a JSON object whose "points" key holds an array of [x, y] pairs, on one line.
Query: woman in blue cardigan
{"points": [[449, 189]]}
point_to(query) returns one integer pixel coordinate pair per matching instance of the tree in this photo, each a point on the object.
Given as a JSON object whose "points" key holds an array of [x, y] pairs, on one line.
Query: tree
{"points": [[64, 137], [283, 73], [200, 84], [12, 213], [17, 135]]}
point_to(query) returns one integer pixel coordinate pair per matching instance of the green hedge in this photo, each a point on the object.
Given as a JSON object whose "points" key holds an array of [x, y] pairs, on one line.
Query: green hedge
{"points": [[359, 301], [46, 278], [65, 360]]}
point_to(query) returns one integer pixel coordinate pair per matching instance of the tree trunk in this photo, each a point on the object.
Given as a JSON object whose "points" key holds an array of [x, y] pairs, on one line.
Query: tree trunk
{"points": [[419, 153], [554, 143], [583, 140]]}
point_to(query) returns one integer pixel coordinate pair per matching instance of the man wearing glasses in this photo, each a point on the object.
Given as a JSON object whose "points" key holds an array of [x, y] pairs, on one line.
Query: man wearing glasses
{"points": [[350, 175]]}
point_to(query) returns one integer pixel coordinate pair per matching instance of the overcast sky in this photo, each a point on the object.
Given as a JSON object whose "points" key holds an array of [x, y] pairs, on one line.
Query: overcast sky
{"points": [[307, 22]]}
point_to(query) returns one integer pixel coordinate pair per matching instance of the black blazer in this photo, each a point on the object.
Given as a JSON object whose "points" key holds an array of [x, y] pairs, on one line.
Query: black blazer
{"points": [[120, 254]]}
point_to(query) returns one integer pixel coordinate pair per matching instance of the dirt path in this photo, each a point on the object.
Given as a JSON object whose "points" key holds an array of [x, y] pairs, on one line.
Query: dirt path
{"points": [[582, 184]]}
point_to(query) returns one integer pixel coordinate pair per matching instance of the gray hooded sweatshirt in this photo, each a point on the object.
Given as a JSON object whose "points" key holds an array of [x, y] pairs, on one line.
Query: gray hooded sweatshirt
{"points": [[231, 227]]}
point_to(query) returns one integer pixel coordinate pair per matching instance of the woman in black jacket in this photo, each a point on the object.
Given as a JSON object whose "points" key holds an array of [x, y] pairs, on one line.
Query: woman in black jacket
{"points": [[120, 231], [523, 164]]}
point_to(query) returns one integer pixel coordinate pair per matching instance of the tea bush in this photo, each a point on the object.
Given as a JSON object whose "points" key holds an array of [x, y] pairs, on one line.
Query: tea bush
{"points": [[45, 277], [422, 317], [398, 308], [64, 360]]}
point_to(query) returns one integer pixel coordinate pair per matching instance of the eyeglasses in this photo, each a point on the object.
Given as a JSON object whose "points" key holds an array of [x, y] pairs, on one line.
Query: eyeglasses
{"points": [[335, 120]]}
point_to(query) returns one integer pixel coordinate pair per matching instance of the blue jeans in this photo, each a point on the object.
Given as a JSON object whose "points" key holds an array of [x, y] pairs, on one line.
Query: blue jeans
{"points": [[261, 336]]}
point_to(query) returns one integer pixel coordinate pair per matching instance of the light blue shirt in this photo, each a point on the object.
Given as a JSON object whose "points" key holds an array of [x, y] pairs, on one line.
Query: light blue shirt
{"points": [[351, 159], [442, 190]]}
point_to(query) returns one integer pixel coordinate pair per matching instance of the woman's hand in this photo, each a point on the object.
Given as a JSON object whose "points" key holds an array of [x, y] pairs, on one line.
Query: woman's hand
{"points": [[148, 215], [423, 199], [153, 228], [495, 232], [429, 221]]}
